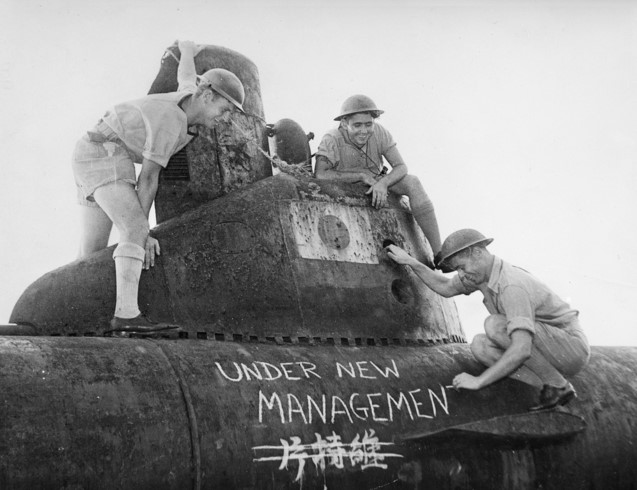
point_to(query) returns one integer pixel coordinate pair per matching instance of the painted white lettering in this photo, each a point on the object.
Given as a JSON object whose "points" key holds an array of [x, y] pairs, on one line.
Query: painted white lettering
{"points": [[236, 366], [340, 368], [294, 451], [380, 407], [387, 370], [288, 372], [442, 404], [254, 372], [417, 404], [268, 368], [373, 406], [321, 411], [308, 368], [357, 410], [336, 412], [299, 408], [270, 405], [362, 370], [402, 399], [363, 452]]}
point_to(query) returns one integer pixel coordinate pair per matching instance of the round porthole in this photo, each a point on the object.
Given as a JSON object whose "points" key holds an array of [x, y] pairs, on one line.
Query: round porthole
{"points": [[402, 291], [333, 232]]}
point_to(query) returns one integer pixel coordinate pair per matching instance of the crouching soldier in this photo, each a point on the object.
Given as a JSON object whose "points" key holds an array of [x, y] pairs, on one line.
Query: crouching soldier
{"points": [[531, 334]]}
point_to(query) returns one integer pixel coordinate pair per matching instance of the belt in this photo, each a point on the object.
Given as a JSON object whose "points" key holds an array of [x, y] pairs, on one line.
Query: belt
{"points": [[102, 133]]}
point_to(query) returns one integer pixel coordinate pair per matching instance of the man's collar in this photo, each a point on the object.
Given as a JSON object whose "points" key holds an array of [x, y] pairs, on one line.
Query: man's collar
{"points": [[496, 271]]}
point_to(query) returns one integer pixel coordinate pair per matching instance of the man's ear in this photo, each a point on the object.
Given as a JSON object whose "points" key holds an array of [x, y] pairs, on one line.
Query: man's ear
{"points": [[208, 95]]}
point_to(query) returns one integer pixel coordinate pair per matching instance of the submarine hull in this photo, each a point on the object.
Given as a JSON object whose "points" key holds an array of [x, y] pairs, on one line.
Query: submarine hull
{"points": [[285, 259], [125, 413], [306, 358]]}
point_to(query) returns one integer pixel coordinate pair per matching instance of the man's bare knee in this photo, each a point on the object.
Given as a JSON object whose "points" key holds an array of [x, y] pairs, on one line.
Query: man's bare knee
{"points": [[484, 350], [478, 344], [495, 326], [409, 185]]}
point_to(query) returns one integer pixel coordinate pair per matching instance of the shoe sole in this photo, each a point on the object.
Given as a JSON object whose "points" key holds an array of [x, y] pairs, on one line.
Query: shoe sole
{"points": [[560, 402], [567, 398]]}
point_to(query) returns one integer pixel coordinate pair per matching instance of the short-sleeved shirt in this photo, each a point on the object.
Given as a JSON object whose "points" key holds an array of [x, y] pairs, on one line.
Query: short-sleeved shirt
{"points": [[522, 299], [342, 154], [154, 127]]}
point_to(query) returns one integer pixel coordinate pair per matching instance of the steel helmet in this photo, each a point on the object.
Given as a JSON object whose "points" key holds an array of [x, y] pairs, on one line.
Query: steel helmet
{"points": [[225, 83], [356, 104], [456, 242]]}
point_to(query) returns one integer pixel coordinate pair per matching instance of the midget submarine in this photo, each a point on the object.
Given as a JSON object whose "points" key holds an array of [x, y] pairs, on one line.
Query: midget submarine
{"points": [[304, 357]]}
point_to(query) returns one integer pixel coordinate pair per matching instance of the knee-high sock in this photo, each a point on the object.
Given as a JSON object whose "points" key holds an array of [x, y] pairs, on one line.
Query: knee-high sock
{"points": [[129, 258], [426, 218]]}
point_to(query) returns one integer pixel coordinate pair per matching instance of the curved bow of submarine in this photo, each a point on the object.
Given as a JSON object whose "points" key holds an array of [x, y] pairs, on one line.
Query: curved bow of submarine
{"points": [[305, 358]]}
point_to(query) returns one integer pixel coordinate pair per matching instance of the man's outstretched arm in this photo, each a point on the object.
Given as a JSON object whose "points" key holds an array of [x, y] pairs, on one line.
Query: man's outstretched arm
{"points": [[435, 281]]}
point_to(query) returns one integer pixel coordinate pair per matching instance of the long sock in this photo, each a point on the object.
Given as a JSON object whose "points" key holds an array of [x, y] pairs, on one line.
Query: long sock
{"points": [[426, 219], [129, 258]]}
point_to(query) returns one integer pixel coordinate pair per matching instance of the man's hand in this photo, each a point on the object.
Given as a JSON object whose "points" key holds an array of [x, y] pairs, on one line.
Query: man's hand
{"points": [[379, 194], [367, 178], [466, 381], [189, 46], [152, 249], [399, 256]]}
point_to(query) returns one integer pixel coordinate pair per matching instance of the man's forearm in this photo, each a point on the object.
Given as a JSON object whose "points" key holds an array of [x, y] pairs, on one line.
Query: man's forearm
{"points": [[396, 174], [186, 72], [433, 280], [146, 190], [511, 360], [342, 175]]}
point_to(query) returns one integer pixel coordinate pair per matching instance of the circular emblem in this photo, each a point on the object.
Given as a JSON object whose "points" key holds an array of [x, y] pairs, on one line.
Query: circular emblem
{"points": [[333, 232]]}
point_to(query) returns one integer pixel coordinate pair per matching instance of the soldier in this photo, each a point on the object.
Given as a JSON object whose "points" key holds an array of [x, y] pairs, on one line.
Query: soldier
{"points": [[149, 131], [531, 334], [354, 152]]}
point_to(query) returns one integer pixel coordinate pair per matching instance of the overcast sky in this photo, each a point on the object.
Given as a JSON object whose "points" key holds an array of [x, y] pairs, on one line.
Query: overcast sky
{"points": [[520, 118]]}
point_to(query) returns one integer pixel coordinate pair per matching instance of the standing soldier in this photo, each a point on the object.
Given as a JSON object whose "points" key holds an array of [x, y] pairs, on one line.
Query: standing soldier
{"points": [[148, 131]]}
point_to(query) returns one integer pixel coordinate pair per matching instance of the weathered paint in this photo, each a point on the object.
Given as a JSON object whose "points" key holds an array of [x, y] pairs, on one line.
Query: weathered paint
{"points": [[325, 231], [119, 413], [220, 161], [288, 259]]}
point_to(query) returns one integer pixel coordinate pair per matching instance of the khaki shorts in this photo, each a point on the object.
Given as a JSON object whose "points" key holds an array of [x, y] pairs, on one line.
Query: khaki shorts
{"points": [[99, 163], [565, 348]]}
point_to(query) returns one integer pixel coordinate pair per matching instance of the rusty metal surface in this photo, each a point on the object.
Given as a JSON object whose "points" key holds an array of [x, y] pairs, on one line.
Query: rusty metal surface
{"points": [[17, 330], [118, 413], [290, 142], [286, 260], [220, 161], [527, 427]]}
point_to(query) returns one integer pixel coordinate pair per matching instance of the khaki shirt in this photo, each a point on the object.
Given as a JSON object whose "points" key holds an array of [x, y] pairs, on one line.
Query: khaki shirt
{"points": [[522, 299], [342, 154], [153, 127]]}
